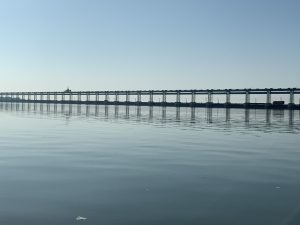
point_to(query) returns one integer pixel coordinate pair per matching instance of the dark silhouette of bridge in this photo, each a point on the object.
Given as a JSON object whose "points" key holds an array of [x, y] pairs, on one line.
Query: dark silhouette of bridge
{"points": [[84, 97]]}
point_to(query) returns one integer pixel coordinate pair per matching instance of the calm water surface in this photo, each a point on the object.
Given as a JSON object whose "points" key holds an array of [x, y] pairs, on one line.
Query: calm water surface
{"points": [[142, 165]]}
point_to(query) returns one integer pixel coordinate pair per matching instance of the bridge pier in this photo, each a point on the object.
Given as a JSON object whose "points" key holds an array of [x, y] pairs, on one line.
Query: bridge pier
{"points": [[209, 99], [87, 97], [106, 97], [63, 98], [139, 98], [292, 99], [116, 97], [247, 99], [178, 98], [268, 100], [151, 97], [193, 99], [127, 97], [228, 99], [79, 97], [164, 98]]}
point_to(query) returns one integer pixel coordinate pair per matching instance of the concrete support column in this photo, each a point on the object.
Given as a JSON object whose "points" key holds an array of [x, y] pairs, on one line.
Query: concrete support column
{"points": [[41, 97], [127, 96], [292, 97], [70, 97], [268, 100], [210, 97], [48, 97], [151, 96], [164, 98], [88, 97], [23, 96], [116, 96], [247, 97], [63, 97], [55, 97], [97, 97], [35, 97], [268, 97], [106, 96], [79, 97], [228, 97], [178, 97], [193, 98], [139, 97]]}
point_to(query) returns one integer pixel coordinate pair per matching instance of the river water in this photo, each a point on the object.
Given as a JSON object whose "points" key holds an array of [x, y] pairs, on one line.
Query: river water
{"points": [[120, 165]]}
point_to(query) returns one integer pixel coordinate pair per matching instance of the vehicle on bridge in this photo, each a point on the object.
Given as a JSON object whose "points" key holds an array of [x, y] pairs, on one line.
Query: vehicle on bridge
{"points": [[67, 90]]}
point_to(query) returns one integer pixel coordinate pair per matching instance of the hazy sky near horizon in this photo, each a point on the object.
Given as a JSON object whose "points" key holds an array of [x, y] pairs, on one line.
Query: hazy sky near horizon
{"points": [[142, 44]]}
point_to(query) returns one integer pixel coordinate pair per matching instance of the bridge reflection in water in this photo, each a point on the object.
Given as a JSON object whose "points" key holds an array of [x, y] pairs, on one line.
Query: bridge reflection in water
{"points": [[266, 120]]}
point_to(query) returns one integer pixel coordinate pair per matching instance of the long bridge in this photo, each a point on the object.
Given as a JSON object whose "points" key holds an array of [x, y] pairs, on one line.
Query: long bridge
{"points": [[93, 97]]}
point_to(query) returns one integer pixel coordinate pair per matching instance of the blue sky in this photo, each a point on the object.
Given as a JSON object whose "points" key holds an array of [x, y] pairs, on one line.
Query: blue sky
{"points": [[142, 44]]}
